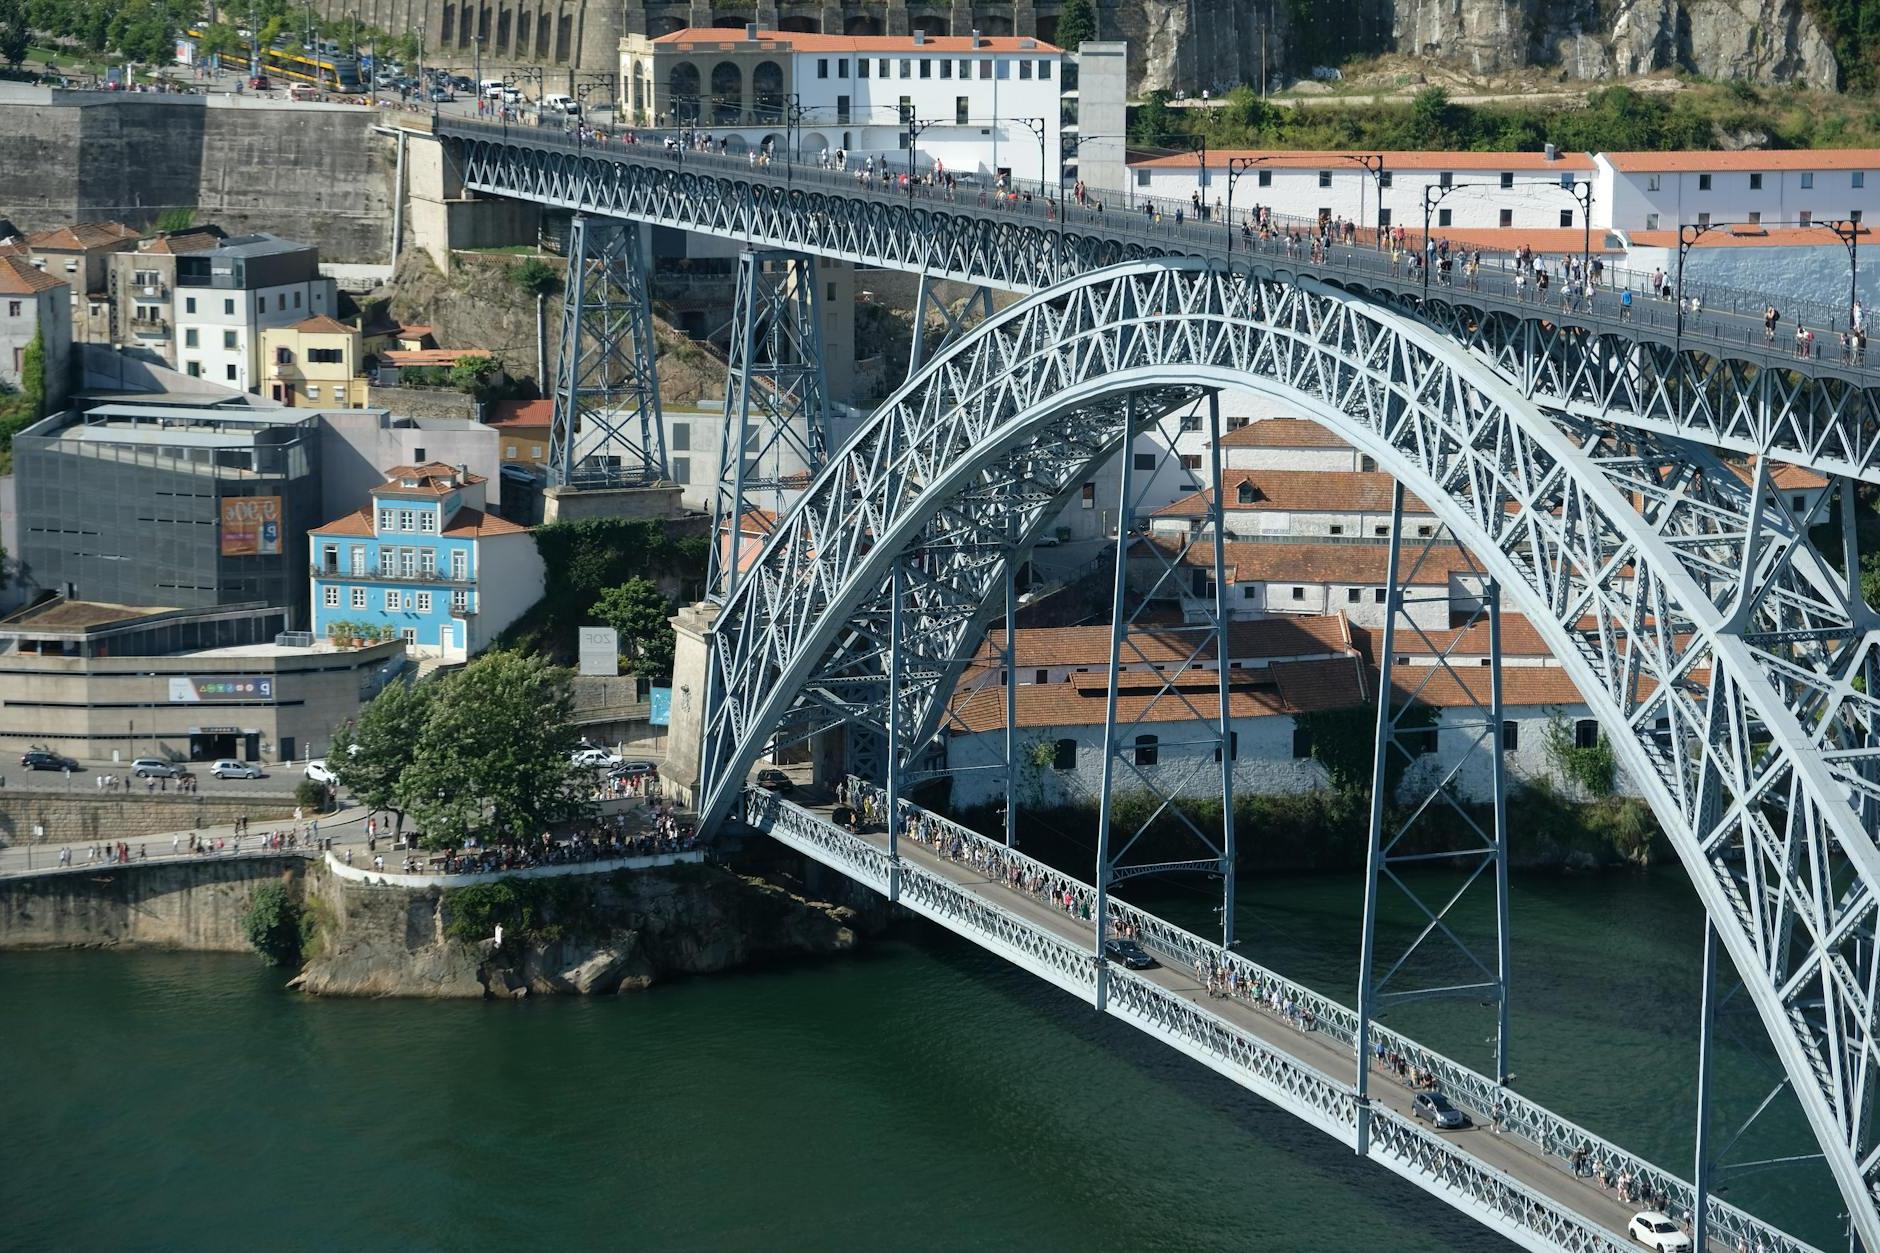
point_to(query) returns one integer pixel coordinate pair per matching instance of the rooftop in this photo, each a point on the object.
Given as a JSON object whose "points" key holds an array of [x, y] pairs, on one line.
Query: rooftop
{"points": [[428, 356], [19, 277], [81, 237], [466, 524], [1304, 491], [1262, 640], [76, 615], [322, 325], [197, 239], [1748, 236], [1283, 433], [717, 37], [260, 245], [1291, 687], [1755, 160], [1336, 161], [1345, 565], [515, 413]]}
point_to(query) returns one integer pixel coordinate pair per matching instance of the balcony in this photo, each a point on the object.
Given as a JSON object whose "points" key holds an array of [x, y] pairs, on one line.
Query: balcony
{"points": [[329, 570]]}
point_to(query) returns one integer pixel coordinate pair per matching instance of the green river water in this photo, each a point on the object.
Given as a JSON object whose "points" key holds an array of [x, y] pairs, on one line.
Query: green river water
{"points": [[921, 1095]]}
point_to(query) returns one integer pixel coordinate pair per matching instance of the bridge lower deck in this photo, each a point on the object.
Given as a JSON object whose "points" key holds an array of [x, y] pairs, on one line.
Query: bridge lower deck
{"points": [[1541, 1172]]}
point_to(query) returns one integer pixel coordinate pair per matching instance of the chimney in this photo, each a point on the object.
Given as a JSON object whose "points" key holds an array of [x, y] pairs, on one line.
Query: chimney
{"points": [[920, 37], [975, 42], [1550, 153], [750, 31]]}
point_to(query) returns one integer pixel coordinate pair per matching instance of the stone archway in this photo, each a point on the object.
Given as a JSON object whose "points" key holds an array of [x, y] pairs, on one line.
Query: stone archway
{"points": [[727, 94]]}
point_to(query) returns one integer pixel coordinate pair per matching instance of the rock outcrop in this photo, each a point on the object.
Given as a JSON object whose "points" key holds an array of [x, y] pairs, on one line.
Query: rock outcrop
{"points": [[594, 936]]}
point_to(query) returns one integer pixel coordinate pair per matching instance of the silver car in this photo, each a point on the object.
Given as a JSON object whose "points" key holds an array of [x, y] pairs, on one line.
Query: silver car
{"points": [[154, 768], [229, 768]]}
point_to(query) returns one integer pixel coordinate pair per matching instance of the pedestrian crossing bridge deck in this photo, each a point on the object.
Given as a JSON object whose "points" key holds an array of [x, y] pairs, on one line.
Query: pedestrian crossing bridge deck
{"points": [[1714, 377], [1520, 1182]]}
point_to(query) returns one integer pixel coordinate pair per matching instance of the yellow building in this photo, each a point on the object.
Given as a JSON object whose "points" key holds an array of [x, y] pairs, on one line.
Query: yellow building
{"points": [[314, 363]]}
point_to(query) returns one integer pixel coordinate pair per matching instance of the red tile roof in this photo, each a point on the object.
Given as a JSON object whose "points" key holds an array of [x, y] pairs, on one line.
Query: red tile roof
{"points": [[1361, 565], [323, 325], [1282, 433], [1280, 159], [714, 39], [1757, 159], [1262, 639], [511, 414], [81, 237], [19, 277], [183, 241], [474, 522], [428, 356], [1303, 491], [1301, 686], [1518, 639], [1749, 237], [358, 522]]}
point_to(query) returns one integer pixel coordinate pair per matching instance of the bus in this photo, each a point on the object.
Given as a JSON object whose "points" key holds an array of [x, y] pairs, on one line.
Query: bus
{"points": [[332, 73]]}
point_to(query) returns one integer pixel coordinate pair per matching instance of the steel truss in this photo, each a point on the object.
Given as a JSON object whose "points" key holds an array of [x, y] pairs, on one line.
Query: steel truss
{"points": [[607, 430], [1140, 662], [976, 308], [1741, 397], [1716, 648], [1431, 826], [779, 393]]}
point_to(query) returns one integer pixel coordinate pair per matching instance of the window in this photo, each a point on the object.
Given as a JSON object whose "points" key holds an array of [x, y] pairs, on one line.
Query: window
{"points": [[881, 70], [1383, 217], [405, 521], [1384, 180], [1090, 495], [1510, 736], [1044, 69], [1651, 181], [1380, 530], [1807, 216], [228, 341], [1302, 742], [985, 68], [1446, 179], [193, 368], [13, 308], [966, 69], [1266, 178], [408, 563], [681, 470], [926, 68], [1353, 596], [842, 111], [410, 636], [1145, 461], [1808, 182], [1191, 461], [1250, 593], [1233, 747], [1755, 217], [1041, 676], [427, 521], [1148, 749], [1860, 179], [1797, 503], [1418, 742], [861, 67], [388, 562], [1755, 182], [1024, 69], [1566, 181], [1191, 423], [1298, 593], [822, 67], [460, 565], [907, 114], [1443, 217], [962, 109], [1585, 733], [1566, 217], [392, 600], [907, 68], [313, 393], [296, 300], [946, 69], [1005, 69], [509, 452], [1064, 755], [1424, 532], [1142, 178], [327, 356], [385, 519], [535, 452], [189, 304], [329, 596], [1651, 221], [424, 602], [1507, 218], [460, 599], [1338, 528], [228, 308], [1377, 596], [1703, 219], [1853, 215], [229, 371], [1703, 182], [1243, 495], [190, 338], [1325, 178], [359, 598], [1507, 179]]}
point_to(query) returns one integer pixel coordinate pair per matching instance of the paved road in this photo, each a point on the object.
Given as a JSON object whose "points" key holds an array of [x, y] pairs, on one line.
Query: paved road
{"points": [[1518, 1158], [276, 781]]}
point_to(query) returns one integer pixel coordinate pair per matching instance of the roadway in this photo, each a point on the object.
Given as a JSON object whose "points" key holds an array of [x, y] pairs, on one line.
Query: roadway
{"points": [[1517, 1157]]}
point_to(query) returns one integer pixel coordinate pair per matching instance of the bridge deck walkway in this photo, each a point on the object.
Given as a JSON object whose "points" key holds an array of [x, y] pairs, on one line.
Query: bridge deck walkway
{"points": [[1508, 1153]]}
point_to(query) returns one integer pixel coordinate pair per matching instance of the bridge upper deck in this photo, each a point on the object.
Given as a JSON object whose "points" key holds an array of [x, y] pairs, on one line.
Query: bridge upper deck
{"points": [[1274, 1037], [1713, 377]]}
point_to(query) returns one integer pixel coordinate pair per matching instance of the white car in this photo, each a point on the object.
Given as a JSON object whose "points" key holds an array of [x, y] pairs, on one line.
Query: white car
{"points": [[1655, 1231], [598, 757], [229, 768], [319, 772], [154, 768]]}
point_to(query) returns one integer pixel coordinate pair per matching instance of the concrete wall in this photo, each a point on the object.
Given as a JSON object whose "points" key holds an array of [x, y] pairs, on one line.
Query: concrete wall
{"points": [[358, 446], [306, 171], [84, 816], [190, 905], [564, 504]]}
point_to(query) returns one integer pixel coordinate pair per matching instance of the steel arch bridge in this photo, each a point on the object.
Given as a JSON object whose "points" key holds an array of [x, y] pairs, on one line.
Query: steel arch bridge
{"points": [[1726, 661]]}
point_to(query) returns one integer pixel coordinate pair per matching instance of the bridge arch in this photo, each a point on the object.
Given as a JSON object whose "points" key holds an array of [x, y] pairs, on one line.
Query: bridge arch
{"points": [[1723, 674]]}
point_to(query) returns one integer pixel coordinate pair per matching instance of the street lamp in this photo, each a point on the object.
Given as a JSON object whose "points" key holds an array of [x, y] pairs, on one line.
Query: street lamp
{"points": [[1582, 192], [792, 134], [478, 40], [1848, 232], [1236, 166], [1433, 196], [1038, 126], [914, 128], [1373, 163]]}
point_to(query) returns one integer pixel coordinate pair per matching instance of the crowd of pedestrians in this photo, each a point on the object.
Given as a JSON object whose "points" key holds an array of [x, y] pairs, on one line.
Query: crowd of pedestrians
{"points": [[605, 842]]}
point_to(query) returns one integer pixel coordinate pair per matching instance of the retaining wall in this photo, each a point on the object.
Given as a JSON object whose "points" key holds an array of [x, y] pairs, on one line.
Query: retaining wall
{"points": [[89, 817], [194, 905]]}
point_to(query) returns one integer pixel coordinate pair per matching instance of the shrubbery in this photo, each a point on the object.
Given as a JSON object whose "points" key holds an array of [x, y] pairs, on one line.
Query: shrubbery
{"points": [[276, 925]]}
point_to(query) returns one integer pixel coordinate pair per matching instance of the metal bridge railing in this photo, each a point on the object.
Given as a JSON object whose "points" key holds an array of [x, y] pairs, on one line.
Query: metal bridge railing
{"points": [[1739, 333], [1307, 1010], [1438, 1165]]}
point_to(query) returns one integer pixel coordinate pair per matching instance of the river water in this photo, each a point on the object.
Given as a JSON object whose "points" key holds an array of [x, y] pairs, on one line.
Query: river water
{"points": [[921, 1095]]}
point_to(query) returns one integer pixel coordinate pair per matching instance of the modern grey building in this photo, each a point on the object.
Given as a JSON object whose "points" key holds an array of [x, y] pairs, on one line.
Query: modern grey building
{"points": [[172, 507]]}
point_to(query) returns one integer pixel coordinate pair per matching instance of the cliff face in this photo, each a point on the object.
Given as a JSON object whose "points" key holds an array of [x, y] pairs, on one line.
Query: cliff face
{"points": [[597, 935], [1216, 44]]}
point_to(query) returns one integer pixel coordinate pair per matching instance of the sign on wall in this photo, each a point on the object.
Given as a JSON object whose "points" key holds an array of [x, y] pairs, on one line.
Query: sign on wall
{"points": [[662, 707], [190, 690], [599, 651], [251, 526]]}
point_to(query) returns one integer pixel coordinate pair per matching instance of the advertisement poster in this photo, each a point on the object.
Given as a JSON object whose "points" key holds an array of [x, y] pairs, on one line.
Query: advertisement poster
{"points": [[599, 651], [251, 526], [189, 690], [662, 707]]}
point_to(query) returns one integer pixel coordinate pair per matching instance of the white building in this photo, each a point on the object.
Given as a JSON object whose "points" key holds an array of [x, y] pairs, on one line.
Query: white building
{"points": [[1650, 191], [980, 105], [225, 298], [33, 304], [1317, 504]]}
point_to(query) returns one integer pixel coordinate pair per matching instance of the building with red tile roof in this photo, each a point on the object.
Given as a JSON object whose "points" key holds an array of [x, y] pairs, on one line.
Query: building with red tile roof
{"points": [[35, 304]]}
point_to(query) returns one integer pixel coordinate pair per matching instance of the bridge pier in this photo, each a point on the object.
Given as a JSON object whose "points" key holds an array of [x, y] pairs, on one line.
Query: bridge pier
{"points": [[691, 700], [607, 429]]}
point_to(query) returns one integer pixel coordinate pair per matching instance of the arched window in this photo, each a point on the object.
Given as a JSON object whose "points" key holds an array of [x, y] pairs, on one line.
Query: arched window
{"points": [[767, 92], [682, 86], [727, 94]]}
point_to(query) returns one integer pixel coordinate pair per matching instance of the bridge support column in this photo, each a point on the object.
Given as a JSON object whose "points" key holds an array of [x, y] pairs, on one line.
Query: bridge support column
{"points": [[953, 324], [1706, 1026], [607, 429], [1165, 668], [1408, 756], [896, 730], [775, 435], [1009, 660]]}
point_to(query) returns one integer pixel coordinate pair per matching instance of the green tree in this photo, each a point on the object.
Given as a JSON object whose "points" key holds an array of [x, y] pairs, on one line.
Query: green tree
{"points": [[180, 219], [16, 33], [33, 376], [493, 757], [1077, 22], [275, 925], [475, 375], [1155, 123], [538, 279], [371, 753], [641, 614]]}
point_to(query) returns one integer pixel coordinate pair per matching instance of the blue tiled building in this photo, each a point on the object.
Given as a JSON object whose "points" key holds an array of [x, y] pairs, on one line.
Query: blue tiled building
{"points": [[424, 560]]}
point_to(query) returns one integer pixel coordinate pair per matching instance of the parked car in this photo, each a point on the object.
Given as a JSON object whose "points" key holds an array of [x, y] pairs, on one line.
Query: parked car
{"points": [[319, 772], [776, 781], [444, 95], [229, 768], [39, 759], [154, 768], [556, 102], [1655, 1231], [636, 767], [513, 473], [259, 82], [1434, 1107], [603, 758], [462, 83], [1128, 953]]}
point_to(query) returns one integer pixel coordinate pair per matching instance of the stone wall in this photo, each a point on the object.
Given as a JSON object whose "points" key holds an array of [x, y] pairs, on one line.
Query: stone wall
{"points": [[186, 905], [83, 817], [312, 172]]}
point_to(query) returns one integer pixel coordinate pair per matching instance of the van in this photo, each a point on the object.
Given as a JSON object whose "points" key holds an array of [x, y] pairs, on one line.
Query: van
{"points": [[492, 87], [558, 103], [303, 91]]}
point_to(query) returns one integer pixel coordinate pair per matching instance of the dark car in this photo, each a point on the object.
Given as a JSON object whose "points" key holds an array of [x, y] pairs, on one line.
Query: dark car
{"points": [[41, 760], [259, 82], [1435, 1107], [775, 781], [463, 84], [629, 768], [1128, 953]]}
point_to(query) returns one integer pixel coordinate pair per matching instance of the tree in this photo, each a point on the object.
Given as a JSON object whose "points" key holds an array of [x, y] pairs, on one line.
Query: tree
{"points": [[1077, 22], [493, 759], [1154, 124], [373, 751], [538, 279], [16, 33], [640, 613], [33, 375], [474, 375]]}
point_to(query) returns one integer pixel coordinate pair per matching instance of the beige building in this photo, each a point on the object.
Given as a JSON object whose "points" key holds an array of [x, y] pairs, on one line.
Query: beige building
{"points": [[80, 255], [313, 363], [140, 283], [102, 682]]}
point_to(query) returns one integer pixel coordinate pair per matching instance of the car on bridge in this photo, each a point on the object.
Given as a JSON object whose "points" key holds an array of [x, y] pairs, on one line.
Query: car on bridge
{"points": [[1128, 953], [39, 759], [776, 781], [1655, 1231], [229, 768], [155, 768], [1434, 1108]]}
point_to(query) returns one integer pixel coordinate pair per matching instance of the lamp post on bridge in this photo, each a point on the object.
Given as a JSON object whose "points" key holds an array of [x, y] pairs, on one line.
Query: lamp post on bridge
{"points": [[915, 127], [1848, 232], [1373, 163], [1580, 191], [1236, 166]]}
